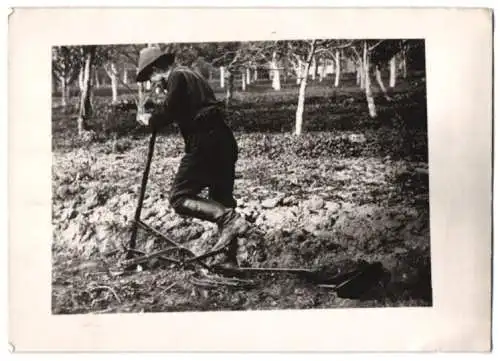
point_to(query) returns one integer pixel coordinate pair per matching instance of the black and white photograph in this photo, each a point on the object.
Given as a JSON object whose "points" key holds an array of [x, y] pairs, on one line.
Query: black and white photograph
{"points": [[250, 180], [243, 175]]}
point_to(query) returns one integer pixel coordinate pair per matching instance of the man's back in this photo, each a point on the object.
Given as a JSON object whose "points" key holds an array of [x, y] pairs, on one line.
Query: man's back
{"points": [[198, 92]]}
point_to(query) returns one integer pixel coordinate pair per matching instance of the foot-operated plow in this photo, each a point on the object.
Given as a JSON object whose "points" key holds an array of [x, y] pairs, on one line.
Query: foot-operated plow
{"points": [[213, 275]]}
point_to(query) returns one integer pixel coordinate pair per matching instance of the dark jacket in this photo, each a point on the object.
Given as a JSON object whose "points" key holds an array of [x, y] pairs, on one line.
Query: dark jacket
{"points": [[188, 95]]}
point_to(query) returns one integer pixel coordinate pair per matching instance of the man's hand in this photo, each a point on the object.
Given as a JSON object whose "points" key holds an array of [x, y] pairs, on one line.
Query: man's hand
{"points": [[143, 118]]}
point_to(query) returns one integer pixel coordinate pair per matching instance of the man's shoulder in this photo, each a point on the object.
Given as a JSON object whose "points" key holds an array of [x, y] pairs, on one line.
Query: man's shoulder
{"points": [[181, 69], [175, 76]]}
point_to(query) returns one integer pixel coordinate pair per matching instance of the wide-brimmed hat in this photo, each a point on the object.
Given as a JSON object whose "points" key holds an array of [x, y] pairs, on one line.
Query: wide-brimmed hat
{"points": [[152, 56]]}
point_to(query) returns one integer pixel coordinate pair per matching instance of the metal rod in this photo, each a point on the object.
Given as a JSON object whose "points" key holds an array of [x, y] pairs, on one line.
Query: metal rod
{"points": [[205, 255], [268, 270], [144, 182], [160, 235], [167, 239], [147, 257]]}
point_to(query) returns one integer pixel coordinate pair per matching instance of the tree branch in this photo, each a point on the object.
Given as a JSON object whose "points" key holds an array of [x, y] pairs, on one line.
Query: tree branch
{"points": [[374, 46], [343, 46], [358, 56], [323, 50]]}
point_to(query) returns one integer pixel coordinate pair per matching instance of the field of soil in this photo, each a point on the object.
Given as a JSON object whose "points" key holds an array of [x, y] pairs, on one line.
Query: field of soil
{"points": [[351, 189]]}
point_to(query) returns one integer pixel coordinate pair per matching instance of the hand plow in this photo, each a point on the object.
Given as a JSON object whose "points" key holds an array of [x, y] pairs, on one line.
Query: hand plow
{"points": [[217, 275]]}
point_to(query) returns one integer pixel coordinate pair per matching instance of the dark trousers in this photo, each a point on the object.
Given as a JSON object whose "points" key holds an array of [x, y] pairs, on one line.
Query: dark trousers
{"points": [[209, 162]]}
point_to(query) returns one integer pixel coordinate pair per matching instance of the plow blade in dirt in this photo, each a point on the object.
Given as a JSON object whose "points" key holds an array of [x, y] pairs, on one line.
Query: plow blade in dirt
{"points": [[347, 281]]}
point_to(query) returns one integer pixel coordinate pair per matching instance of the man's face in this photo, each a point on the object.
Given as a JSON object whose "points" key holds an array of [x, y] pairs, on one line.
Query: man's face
{"points": [[158, 74], [158, 79]]}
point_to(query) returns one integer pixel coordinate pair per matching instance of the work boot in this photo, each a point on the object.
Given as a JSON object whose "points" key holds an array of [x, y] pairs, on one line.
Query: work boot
{"points": [[200, 208], [231, 226], [230, 223]]}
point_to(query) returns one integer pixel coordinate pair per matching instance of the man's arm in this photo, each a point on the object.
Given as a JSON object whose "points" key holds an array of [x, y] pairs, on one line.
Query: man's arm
{"points": [[169, 110]]}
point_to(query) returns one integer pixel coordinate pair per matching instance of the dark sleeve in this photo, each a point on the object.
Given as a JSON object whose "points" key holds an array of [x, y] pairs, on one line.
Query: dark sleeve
{"points": [[173, 104]]}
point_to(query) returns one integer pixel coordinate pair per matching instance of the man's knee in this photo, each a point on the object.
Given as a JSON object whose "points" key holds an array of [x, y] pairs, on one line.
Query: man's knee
{"points": [[224, 199]]}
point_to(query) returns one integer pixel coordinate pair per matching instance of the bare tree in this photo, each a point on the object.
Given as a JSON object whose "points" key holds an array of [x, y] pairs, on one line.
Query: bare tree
{"points": [[85, 104], [248, 76], [230, 87], [222, 76], [130, 54], [331, 50], [112, 72], [275, 72], [337, 67], [96, 78], [65, 66], [372, 109], [81, 75], [370, 55], [393, 72], [404, 66], [302, 89], [125, 75], [243, 81], [322, 71], [314, 68]]}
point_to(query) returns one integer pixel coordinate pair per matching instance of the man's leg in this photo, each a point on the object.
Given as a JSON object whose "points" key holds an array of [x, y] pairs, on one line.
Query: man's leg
{"points": [[185, 200], [210, 162], [221, 191], [184, 197]]}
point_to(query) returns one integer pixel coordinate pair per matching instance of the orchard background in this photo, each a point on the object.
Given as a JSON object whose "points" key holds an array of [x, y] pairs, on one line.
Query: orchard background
{"points": [[333, 169]]}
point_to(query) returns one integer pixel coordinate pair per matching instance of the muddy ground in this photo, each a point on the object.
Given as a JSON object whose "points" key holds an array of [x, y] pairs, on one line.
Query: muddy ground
{"points": [[331, 198]]}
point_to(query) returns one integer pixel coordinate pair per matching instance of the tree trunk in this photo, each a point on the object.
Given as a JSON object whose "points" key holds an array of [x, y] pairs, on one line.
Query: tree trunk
{"points": [[141, 102], [114, 88], [112, 72], [302, 92], [322, 72], [64, 91], [97, 82], [380, 82], [276, 73], [299, 73], [125, 76], [314, 67], [276, 80], [243, 81], [337, 67], [255, 74], [368, 89], [81, 83], [286, 70], [393, 74], [405, 70], [229, 89], [362, 77], [222, 77], [248, 77], [85, 103]]}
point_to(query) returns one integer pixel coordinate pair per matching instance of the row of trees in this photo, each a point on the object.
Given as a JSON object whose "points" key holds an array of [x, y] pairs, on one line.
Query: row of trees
{"points": [[301, 59]]}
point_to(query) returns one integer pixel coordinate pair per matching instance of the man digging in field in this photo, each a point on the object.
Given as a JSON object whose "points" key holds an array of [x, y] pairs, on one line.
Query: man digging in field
{"points": [[211, 150]]}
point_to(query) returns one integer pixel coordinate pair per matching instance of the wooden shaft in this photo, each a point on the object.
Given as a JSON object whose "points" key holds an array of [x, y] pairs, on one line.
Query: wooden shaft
{"points": [[144, 182]]}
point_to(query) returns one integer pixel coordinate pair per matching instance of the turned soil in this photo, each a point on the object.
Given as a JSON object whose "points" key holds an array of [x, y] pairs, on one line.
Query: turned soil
{"points": [[350, 189]]}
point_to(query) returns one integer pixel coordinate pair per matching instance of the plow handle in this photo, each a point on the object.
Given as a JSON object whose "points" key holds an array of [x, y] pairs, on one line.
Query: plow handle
{"points": [[145, 176]]}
